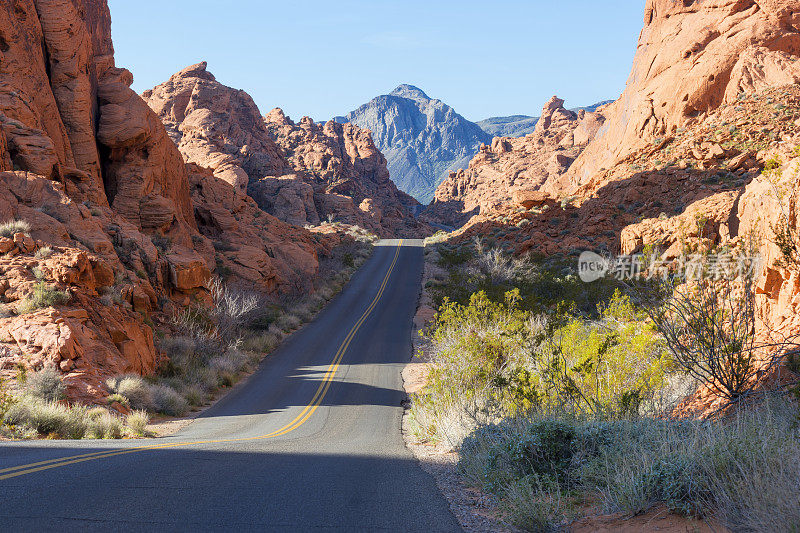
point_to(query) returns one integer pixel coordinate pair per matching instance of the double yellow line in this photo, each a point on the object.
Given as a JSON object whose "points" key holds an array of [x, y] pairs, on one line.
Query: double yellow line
{"points": [[298, 421]]}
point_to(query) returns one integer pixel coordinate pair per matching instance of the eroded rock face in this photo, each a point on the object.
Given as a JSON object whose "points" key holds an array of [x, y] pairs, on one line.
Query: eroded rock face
{"points": [[301, 173], [254, 246], [216, 127], [113, 223], [347, 173], [691, 58], [515, 164]]}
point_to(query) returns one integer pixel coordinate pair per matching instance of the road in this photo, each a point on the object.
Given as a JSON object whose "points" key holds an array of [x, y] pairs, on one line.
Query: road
{"points": [[311, 441]]}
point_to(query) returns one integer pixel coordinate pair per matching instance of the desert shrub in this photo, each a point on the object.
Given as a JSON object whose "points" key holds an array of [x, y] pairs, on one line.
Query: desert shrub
{"points": [[708, 326], [43, 253], [288, 322], [12, 227], [167, 400], [262, 343], [43, 295], [195, 395], [49, 418], [453, 256], [46, 384], [492, 359], [101, 424], [133, 388], [743, 469], [137, 422], [118, 398], [542, 283], [6, 399], [533, 504], [231, 308], [613, 365]]}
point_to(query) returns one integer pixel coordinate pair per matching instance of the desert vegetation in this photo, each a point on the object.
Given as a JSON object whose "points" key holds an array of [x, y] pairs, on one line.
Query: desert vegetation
{"points": [[216, 344], [41, 411], [207, 347], [564, 398]]}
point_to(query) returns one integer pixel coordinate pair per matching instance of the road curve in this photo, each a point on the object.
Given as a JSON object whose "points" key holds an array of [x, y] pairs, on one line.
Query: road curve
{"points": [[310, 442]]}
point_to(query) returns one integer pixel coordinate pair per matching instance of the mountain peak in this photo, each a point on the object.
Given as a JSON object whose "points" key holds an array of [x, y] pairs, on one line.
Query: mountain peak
{"points": [[409, 91]]}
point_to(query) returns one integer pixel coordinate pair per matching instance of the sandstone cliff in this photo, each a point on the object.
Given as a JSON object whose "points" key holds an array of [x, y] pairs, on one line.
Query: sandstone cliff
{"points": [[347, 173], [692, 57], [105, 208], [302, 173], [702, 147]]}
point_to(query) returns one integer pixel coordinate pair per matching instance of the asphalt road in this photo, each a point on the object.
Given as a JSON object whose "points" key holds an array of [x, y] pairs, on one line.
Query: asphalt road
{"points": [[310, 442]]}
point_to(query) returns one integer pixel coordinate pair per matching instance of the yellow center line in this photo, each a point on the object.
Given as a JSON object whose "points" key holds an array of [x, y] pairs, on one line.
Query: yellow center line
{"points": [[298, 421]]}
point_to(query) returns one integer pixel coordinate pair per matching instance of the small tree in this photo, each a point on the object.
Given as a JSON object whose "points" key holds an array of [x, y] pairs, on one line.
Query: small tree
{"points": [[709, 327]]}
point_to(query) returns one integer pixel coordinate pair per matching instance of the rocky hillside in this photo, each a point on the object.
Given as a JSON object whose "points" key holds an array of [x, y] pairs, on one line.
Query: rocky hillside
{"points": [[714, 162], [691, 58], [422, 138], [512, 164], [103, 229], [301, 173]]}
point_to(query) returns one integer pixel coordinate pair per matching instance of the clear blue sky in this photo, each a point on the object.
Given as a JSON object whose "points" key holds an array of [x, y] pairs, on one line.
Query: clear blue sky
{"points": [[325, 58]]}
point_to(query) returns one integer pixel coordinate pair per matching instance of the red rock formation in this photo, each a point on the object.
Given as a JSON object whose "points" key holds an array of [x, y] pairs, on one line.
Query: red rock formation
{"points": [[90, 167], [692, 57], [216, 126], [515, 164], [347, 173], [299, 173]]}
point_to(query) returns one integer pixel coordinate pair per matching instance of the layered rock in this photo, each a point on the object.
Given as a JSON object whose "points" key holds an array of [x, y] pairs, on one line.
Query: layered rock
{"points": [[105, 194], [510, 164], [422, 138], [301, 173]]}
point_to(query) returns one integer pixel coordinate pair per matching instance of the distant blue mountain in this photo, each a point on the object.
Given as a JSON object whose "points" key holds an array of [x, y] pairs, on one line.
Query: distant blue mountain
{"points": [[521, 125], [422, 138]]}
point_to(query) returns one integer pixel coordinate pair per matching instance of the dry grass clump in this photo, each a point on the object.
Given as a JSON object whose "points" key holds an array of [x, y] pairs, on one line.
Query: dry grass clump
{"points": [[743, 470], [137, 423], [43, 253], [29, 417], [46, 384], [12, 227], [43, 296]]}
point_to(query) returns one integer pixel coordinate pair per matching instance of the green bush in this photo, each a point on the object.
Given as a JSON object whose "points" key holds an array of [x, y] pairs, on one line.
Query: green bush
{"points": [[493, 359], [613, 365]]}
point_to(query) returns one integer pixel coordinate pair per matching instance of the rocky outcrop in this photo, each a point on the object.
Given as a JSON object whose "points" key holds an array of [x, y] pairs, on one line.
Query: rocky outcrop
{"points": [[347, 174], [216, 127], [422, 138], [691, 58], [511, 164], [301, 173], [249, 243], [108, 217]]}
